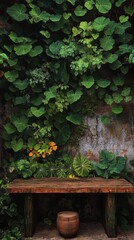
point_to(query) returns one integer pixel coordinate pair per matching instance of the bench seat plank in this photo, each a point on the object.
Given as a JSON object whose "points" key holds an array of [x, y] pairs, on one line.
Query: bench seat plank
{"points": [[66, 185]]}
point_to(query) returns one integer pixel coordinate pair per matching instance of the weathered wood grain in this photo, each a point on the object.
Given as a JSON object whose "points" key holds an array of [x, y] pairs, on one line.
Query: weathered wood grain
{"points": [[66, 185], [110, 215]]}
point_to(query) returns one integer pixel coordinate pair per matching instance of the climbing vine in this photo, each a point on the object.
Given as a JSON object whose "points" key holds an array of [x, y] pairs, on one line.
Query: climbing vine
{"points": [[54, 55]]}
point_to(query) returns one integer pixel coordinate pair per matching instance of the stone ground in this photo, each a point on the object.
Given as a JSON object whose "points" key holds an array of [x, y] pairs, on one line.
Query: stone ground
{"points": [[87, 231]]}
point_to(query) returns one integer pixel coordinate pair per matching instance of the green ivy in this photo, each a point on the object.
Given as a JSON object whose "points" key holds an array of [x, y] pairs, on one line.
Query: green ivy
{"points": [[63, 51]]}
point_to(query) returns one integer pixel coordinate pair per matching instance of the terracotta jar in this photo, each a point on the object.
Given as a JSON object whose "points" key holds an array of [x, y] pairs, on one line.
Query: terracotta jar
{"points": [[68, 223]]}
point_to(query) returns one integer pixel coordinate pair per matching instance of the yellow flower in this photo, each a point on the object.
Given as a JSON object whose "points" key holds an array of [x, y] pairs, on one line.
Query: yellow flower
{"points": [[71, 176]]}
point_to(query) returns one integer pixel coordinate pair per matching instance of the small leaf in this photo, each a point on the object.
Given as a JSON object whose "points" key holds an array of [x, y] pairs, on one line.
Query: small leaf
{"points": [[22, 49], [74, 96], [103, 6], [111, 57], [108, 99], [126, 91], [89, 4], [9, 128], [55, 17], [17, 145], [21, 84], [11, 75], [119, 3], [18, 12], [20, 122], [105, 120], [36, 51], [88, 81], [107, 43], [100, 23], [45, 33], [103, 83], [80, 11], [83, 25], [119, 80], [37, 112], [117, 97], [76, 31], [74, 118], [123, 18], [117, 109]]}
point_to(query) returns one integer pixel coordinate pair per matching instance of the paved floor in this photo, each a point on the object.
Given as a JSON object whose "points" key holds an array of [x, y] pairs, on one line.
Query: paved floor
{"points": [[87, 231]]}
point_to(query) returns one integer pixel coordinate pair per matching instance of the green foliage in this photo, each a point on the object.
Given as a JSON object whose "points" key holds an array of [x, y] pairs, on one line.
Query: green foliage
{"points": [[9, 219], [82, 166], [109, 165], [63, 52]]}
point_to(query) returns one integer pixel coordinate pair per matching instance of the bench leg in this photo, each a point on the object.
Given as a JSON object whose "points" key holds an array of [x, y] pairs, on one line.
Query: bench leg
{"points": [[29, 215], [109, 217]]}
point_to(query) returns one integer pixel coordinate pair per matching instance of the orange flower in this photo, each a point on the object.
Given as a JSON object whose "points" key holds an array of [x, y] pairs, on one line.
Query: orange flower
{"points": [[55, 147], [51, 144], [43, 155], [30, 154]]}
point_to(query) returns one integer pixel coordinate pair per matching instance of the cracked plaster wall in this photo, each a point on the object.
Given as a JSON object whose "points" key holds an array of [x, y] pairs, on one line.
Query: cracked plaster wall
{"points": [[117, 137]]}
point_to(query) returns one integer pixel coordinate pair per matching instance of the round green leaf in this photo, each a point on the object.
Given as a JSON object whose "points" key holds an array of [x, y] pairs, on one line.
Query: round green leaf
{"points": [[80, 11], [37, 112], [100, 23], [36, 51], [107, 43], [117, 109], [18, 12], [103, 6], [103, 83], [22, 49], [88, 81]]}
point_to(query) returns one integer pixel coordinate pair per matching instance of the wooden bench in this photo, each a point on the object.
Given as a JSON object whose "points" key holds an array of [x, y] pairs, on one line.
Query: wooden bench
{"points": [[109, 187]]}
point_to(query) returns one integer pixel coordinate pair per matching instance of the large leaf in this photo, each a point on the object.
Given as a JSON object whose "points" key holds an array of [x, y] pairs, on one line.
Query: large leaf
{"points": [[88, 81], [107, 43], [18, 12], [38, 16], [103, 6], [21, 84], [55, 17], [36, 51], [17, 145], [89, 4], [9, 128], [74, 118], [16, 39], [103, 83], [111, 57], [119, 3], [11, 75], [55, 47], [119, 80], [100, 23], [20, 122], [117, 109], [80, 11], [22, 49], [37, 112], [82, 166], [74, 96]]}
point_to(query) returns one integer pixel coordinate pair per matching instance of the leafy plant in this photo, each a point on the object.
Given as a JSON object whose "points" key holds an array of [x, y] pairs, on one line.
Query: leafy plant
{"points": [[82, 166], [109, 165]]}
